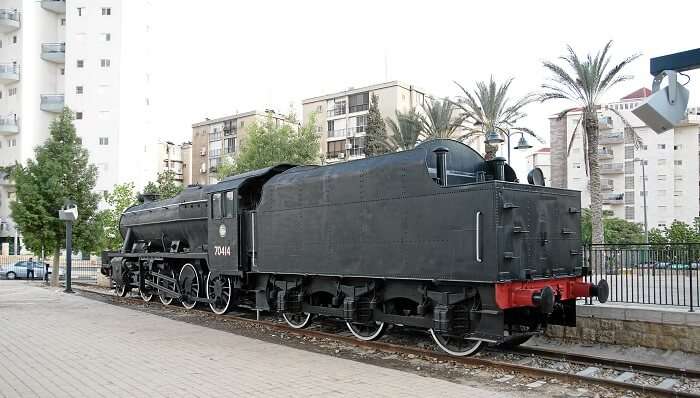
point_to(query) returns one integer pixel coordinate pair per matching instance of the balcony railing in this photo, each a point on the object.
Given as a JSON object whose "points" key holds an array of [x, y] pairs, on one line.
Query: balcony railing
{"points": [[9, 73], [612, 168], [337, 133], [336, 112], [57, 6], [359, 108], [54, 52], [613, 199], [612, 138], [52, 103], [9, 20], [605, 153], [8, 125], [605, 123], [359, 151]]}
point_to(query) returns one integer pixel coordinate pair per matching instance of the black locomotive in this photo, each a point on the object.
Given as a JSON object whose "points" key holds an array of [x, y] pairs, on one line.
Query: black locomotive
{"points": [[435, 238]]}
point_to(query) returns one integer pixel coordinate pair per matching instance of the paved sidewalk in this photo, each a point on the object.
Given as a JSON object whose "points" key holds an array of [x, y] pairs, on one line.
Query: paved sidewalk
{"points": [[53, 344]]}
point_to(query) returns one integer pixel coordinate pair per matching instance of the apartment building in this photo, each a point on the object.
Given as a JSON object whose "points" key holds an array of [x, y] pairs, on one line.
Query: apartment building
{"points": [[341, 117], [215, 139], [90, 56], [669, 162], [541, 159]]}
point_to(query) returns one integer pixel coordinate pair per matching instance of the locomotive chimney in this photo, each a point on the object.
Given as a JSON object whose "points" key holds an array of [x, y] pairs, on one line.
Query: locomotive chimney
{"points": [[441, 165], [499, 168]]}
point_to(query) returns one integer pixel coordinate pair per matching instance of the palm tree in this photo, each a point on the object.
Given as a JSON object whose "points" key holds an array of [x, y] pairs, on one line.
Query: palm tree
{"points": [[490, 109], [439, 119], [405, 133], [583, 82]]}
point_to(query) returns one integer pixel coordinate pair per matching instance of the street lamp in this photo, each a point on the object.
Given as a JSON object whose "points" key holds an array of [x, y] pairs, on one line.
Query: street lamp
{"points": [[644, 189], [493, 138], [69, 214]]}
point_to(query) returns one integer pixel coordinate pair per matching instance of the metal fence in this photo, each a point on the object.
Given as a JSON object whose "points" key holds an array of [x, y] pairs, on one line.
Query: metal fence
{"points": [[661, 274], [31, 267]]}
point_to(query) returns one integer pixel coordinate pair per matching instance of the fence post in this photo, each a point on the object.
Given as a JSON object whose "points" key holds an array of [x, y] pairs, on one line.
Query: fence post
{"points": [[690, 271]]}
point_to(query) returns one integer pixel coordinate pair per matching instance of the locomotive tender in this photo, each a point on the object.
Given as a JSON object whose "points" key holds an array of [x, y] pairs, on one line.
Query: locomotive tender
{"points": [[435, 238]]}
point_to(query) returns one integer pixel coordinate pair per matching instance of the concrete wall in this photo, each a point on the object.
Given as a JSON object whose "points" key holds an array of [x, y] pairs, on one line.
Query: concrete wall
{"points": [[667, 329]]}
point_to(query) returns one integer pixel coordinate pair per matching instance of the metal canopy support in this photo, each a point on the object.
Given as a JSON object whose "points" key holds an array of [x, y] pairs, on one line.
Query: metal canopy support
{"points": [[679, 62]]}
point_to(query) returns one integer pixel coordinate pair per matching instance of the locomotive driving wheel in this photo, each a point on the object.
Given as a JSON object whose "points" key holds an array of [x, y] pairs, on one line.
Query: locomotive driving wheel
{"points": [[367, 331], [165, 299], [147, 291], [297, 320], [219, 291], [121, 283], [189, 285], [456, 345]]}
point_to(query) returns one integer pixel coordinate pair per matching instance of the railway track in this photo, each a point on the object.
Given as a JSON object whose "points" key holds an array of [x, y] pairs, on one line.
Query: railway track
{"points": [[534, 362]]}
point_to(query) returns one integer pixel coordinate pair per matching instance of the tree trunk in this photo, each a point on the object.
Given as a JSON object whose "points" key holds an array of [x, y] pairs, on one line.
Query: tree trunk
{"points": [[591, 128], [55, 268]]}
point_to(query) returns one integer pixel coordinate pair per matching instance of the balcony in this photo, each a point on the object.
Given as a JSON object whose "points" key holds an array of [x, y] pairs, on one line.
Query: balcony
{"points": [[9, 20], [612, 168], [54, 52], [336, 111], [9, 73], [614, 199], [605, 154], [52, 103], [339, 133], [57, 6], [612, 138], [605, 123], [8, 125], [606, 185]]}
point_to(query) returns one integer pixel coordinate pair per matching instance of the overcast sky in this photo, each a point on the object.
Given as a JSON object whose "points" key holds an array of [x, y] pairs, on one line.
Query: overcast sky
{"points": [[220, 57]]}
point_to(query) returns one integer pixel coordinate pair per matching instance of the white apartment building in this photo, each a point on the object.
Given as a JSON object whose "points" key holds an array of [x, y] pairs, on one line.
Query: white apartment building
{"points": [[341, 118], [670, 162], [215, 139], [541, 159], [90, 56]]}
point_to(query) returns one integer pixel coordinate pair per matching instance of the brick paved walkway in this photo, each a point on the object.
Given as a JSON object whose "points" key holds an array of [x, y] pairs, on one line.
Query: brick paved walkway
{"points": [[53, 344]]}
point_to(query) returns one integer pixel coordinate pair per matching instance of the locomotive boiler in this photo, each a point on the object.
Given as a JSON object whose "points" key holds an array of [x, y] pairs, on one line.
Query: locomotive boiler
{"points": [[435, 238]]}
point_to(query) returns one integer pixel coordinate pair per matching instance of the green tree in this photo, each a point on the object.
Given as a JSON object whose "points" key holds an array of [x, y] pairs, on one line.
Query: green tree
{"points": [[680, 232], [440, 119], [225, 168], [268, 144], [584, 84], [165, 185], [657, 236], [490, 109], [375, 135], [405, 131], [617, 230], [122, 197], [60, 172]]}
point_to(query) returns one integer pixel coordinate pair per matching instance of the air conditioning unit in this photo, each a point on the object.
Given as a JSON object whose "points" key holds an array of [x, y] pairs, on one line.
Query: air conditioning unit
{"points": [[341, 155], [203, 152]]}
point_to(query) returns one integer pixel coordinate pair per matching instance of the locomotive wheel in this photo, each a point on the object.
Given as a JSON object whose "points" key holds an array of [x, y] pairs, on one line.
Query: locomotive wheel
{"points": [[297, 320], [367, 331], [166, 300], [189, 283], [457, 346], [120, 289], [147, 291], [219, 290]]}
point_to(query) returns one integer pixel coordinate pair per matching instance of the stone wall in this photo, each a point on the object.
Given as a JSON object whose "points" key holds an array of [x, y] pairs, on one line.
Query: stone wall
{"points": [[667, 329]]}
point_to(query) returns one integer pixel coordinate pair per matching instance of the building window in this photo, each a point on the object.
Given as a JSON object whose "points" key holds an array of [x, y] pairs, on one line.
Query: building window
{"points": [[12, 91], [361, 123], [104, 140], [79, 63], [81, 10], [358, 102], [661, 146], [677, 193], [629, 152], [678, 162], [641, 193], [629, 182], [14, 39], [577, 165], [335, 148], [661, 177], [63, 22], [678, 147], [645, 147], [78, 115], [106, 11], [242, 123], [105, 63], [106, 36], [319, 129], [78, 89], [63, 71], [319, 108], [12, 142]]}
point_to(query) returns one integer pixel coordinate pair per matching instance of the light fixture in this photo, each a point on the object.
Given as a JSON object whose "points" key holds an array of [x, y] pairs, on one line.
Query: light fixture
{"points": [[522, 143], [493, 138]]}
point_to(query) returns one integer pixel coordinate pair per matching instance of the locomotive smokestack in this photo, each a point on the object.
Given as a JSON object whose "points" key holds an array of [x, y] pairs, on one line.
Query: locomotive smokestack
{"points": [[441, 165], [499, 168]]}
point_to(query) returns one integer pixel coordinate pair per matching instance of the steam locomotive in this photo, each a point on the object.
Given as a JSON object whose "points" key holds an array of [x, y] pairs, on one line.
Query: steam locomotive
{"points": [[434, 238]]}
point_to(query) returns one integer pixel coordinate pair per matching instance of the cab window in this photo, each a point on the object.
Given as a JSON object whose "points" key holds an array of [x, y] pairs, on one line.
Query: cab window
{"points": [[216, 206], [229, 205]]}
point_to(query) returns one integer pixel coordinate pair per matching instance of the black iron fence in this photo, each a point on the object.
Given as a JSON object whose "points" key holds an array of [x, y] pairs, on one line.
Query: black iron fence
{"points": [[32, 267], [661, 274]]}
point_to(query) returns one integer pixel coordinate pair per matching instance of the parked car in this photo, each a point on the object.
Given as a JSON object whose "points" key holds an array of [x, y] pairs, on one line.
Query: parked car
{"points": [[18, 270]]}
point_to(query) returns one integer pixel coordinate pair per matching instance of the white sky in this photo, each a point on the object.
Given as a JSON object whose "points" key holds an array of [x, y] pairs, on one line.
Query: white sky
{"points": [[220, 57]]}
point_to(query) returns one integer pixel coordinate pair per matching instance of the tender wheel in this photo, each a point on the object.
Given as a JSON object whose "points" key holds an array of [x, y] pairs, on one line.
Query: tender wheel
{"points": [[457, 346], [166, 300], [366, 331], [11, 275], [297, 320], [219, 289], [147, 291], [189, 282]]}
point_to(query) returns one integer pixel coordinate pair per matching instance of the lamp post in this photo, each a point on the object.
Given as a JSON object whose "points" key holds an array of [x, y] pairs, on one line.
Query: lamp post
{"points": [[69, 213], [644, 189], [493, 138]]}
